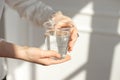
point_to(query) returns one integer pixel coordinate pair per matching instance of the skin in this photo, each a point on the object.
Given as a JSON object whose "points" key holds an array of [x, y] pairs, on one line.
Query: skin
{"points": [[30, 54], [62, 21], [39, 56]]}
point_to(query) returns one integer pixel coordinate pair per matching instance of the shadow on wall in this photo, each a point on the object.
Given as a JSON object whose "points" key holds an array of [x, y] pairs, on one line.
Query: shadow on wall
{"points": [[2, 29], [98, 66], [103, 40]]}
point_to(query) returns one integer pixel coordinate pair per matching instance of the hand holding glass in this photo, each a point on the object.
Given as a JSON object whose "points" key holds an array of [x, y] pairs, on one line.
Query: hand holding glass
{"points": [[57, 40]]}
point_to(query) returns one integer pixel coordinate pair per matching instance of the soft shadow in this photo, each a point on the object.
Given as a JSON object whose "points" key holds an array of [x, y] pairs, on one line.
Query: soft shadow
{"points": [[103, 40], [76, 72], [2, 35], [2, 28]]}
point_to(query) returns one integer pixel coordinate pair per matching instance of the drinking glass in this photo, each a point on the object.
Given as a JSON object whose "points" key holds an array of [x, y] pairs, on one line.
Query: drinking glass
{"points": [[57, 40]]}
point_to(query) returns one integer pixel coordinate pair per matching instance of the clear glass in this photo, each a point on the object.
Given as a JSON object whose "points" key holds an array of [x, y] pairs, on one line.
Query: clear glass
{"points": [[57, 39]]}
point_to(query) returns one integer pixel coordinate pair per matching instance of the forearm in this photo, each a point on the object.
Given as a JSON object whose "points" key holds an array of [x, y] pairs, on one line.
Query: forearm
{"points": [[6, 49], [10, 50], [33, 10]]}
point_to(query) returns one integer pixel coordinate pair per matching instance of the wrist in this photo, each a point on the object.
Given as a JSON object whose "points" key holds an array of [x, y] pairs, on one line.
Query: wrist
{"points": [[10, 50]]}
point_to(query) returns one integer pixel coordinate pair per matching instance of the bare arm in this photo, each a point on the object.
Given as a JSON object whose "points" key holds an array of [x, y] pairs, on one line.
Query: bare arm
{"points": [[38, 13], [30, 54], [10, 50]]}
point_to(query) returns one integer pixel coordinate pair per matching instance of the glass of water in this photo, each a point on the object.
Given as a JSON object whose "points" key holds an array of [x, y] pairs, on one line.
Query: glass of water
{"points": [[57, 40]]}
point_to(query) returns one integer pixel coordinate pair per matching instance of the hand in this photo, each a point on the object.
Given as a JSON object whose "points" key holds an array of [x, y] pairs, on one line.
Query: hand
{"points": [[30, 54], [62, 21], [43, 57]]}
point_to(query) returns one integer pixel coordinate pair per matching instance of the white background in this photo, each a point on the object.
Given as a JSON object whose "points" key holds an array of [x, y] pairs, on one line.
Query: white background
{"points": [[96, 54]]}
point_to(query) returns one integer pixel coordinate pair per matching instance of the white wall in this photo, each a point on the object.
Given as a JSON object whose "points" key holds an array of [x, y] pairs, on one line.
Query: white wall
{"points": [[96, 52]]}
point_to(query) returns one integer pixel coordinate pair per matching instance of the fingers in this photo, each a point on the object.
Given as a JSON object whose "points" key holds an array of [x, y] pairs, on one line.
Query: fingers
{"points": [[64, 24], [62, 20], [67, 57], [73, 38], [44, 57], [51, 61], [73, 32]]}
